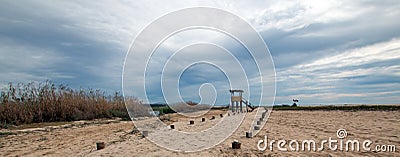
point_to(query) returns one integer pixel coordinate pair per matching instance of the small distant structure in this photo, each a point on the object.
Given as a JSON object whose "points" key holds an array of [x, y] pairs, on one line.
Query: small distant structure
{"points": [[237, 99], [295, 101]]}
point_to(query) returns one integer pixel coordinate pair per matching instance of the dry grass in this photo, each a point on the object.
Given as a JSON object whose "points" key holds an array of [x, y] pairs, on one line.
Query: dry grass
{"points": [[47, 102]]}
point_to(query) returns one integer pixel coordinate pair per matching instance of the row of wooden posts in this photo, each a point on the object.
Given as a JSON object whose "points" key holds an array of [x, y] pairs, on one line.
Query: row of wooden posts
{"points": [[203, 119], [235, 144], [101, 145], [191, 122], [258, 124]]}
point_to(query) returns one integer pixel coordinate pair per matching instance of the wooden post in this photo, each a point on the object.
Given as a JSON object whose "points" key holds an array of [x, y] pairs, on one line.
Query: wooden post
{"points": [[236, 144], [100, 145], [249, 134]]}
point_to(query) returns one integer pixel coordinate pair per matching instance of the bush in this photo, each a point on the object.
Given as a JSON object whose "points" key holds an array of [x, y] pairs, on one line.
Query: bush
{"points": [[121, 114], [46, 102], [166, 110]]}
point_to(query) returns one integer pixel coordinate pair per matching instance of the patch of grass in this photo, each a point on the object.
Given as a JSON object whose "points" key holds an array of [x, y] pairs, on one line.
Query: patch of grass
{"points": [[3, 134], [37, 125], [4, 125], [42, 139], [165, 110], [121, 114]]}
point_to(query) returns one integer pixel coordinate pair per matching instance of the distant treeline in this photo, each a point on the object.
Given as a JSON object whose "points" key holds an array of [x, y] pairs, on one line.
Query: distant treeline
{"points": [[182, 107], [342, 108]]}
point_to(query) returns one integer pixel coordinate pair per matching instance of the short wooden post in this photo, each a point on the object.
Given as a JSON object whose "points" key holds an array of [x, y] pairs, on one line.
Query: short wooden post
{"points": [[249, 134], [236, 144], [100, 145]]}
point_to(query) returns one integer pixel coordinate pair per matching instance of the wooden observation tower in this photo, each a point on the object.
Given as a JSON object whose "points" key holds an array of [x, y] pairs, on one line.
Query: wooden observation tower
{"points": [[237, 101]]}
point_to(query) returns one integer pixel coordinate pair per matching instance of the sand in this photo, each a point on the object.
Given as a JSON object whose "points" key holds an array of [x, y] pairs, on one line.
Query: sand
{"points": [[381, 127]]}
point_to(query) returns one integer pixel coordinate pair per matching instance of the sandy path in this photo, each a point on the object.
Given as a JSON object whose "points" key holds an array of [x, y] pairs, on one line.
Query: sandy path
{"points": [[377, 126]]}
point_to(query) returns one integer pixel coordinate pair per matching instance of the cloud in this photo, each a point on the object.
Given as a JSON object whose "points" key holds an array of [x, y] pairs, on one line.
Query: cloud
{"points": [[334, 77], [344, 51], [23, 63]]}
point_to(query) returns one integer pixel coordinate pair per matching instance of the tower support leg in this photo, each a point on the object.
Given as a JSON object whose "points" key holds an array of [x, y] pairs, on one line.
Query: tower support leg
{"points": [[237, 106], [233, 106], [241, 108]]}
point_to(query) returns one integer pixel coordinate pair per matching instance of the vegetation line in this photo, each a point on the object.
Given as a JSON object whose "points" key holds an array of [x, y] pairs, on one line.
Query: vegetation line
{"points": [[342, 108]]}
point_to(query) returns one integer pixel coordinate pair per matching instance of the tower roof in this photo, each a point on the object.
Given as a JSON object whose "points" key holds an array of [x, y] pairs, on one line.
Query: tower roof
{"points": [[236, 90]]}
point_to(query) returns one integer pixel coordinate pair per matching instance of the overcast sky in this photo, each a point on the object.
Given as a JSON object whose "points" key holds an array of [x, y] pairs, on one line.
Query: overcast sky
{"points": [[325, 52]]}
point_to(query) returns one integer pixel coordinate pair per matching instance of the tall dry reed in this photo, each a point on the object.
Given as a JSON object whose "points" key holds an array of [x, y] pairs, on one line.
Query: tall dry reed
{"points": [[47, 102]]}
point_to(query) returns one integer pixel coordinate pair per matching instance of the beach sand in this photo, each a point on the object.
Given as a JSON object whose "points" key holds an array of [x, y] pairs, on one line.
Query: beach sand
{"points": [[381, 127]]}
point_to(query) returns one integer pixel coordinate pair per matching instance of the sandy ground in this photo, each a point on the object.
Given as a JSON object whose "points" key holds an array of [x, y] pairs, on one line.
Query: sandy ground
{"points": [[79, 138]]}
